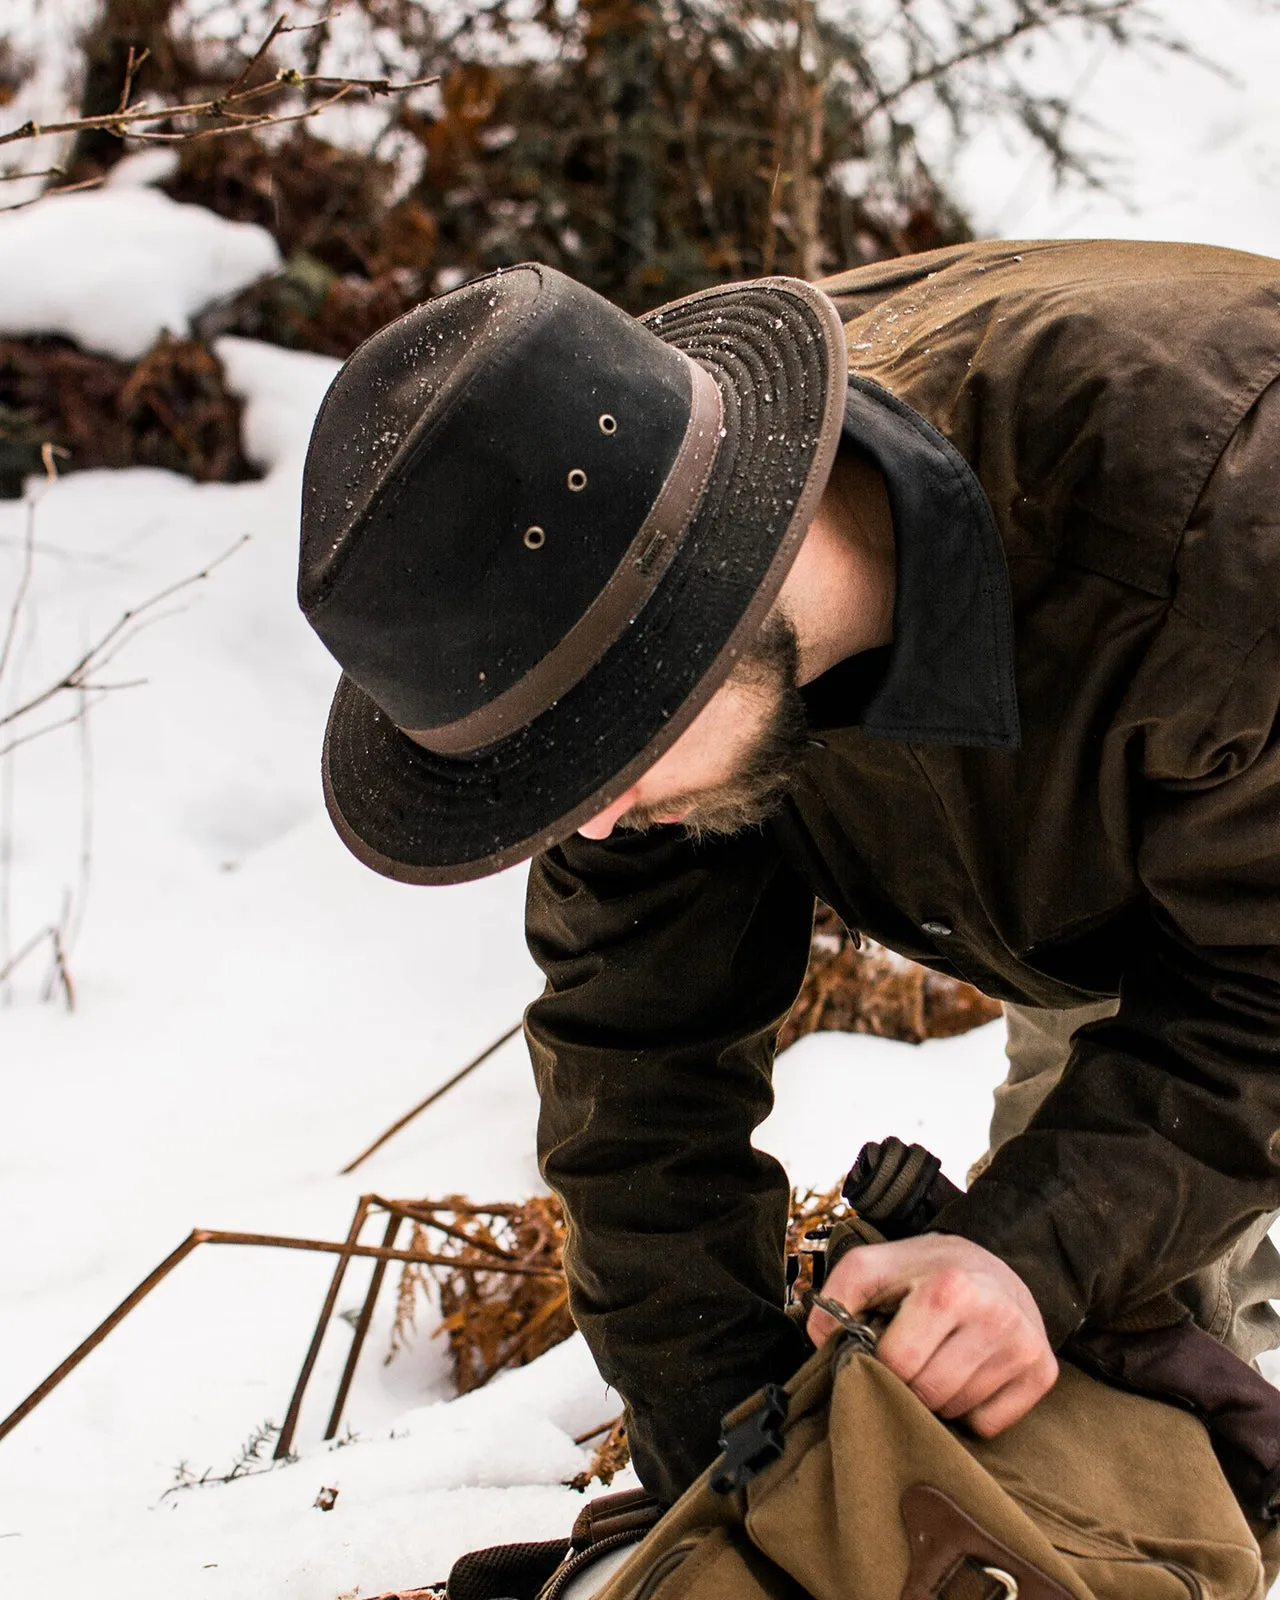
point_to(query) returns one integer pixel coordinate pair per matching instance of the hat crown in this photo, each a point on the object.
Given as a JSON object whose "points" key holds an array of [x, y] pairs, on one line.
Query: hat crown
{"points": [[476, 474]]}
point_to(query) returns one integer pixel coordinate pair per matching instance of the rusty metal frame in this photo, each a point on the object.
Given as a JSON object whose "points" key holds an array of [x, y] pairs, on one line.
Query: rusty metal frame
{"points": [[346, 1250]]}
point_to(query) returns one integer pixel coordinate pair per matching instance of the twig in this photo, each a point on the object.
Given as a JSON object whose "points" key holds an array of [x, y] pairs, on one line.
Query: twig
{"points": [[97, 654], [223, 105], [594, 1433], [130, 73], [49, 727], [66, 188], [59, 976], [24, 584], [276, 30], [15, 960], [430, 1100]]}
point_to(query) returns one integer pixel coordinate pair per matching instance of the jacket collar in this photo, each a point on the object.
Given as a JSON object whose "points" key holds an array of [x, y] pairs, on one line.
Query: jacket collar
{"points": [[947, 677]]}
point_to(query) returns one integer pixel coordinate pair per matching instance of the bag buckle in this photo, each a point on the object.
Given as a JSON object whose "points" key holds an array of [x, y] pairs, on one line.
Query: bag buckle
{"points": [[751, 1443]]}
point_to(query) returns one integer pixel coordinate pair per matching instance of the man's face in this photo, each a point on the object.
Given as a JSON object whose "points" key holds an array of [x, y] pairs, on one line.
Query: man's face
{"points": [[729, 768]]}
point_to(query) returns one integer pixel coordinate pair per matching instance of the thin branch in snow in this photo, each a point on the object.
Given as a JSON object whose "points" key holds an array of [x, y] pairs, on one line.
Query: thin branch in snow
{"points": [[108, 645]]}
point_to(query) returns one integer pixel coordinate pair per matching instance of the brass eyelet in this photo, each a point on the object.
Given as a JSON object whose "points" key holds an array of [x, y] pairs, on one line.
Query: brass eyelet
{"points": [[608, 423], [577, 479], [535, 537]]}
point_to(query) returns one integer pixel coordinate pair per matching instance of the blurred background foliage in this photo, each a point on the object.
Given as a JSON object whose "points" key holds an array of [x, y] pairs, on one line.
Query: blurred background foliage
{"points": [[647, 147]]}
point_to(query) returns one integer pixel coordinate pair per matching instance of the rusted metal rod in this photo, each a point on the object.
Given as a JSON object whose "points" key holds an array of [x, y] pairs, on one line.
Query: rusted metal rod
{"points": [[285, 1442], [199, 1236], [362, 1326], [432, 1098]]}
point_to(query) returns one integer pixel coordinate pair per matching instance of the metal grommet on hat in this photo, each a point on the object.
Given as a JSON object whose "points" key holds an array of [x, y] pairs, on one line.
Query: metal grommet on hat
{"points": [[534, 537], [608, 423], [577, 479]]}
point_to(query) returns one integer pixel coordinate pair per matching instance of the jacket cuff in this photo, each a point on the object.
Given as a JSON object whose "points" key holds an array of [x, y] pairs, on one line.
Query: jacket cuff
{"points": [[1026, 1232]]}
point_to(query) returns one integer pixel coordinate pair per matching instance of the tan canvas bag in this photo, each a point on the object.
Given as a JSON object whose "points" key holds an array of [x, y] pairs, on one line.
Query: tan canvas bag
{"points": [[1095, 1495]]}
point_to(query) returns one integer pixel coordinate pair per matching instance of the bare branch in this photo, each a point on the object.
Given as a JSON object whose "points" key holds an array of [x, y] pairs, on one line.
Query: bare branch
{"points": [[230, 112], [50, 727], [66, 188], [130, 73], [978, 48], [105, 647], [224, 106], [246, 71]]}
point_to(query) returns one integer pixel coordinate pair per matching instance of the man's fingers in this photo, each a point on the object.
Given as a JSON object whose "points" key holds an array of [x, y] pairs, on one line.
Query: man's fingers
{"points": [[923, 1323], [966, 1336], [875, 1275], [1009, 1404], [962, 1373]]}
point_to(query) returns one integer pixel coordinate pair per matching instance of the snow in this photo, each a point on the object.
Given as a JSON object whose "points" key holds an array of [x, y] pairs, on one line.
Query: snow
{"points": [[253, 1007], [115, 268], [1190, 152]]}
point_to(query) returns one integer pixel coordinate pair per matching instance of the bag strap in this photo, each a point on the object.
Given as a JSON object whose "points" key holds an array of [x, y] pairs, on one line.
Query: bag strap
{"points": [[985, 1569]]}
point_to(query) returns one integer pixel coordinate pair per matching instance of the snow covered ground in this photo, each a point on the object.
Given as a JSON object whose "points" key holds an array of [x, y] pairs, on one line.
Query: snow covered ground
{"points": [[253, 1007]]}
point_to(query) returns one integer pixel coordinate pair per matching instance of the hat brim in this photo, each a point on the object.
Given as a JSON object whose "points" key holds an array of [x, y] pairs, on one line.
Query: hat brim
{"points": [[776, 350]]}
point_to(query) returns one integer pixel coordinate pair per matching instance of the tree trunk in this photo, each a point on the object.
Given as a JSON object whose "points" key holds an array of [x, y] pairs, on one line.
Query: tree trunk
{"points": [[123, 24], [624, 35]]}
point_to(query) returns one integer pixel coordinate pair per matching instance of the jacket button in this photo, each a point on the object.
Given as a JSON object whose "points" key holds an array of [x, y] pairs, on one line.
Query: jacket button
{"points": [[936, 929]]}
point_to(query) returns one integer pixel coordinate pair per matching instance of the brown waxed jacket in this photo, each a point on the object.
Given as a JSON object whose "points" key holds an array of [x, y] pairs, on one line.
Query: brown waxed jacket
{"points": [[1061, 781]]}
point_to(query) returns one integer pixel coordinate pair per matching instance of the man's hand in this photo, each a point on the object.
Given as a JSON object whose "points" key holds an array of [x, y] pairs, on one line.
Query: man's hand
{"points": [[967, 1337]]}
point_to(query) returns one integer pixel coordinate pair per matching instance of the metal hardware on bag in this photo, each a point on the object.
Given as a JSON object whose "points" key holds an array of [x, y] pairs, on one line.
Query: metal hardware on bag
{"points": [[608, 423], [751, 1445], [535, 537], [814, 1243], [577, 479], [863, 1335], [1010, 1583]]}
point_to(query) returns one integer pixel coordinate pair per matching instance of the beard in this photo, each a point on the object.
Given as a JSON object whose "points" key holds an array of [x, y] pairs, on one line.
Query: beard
{"points": [[768, 670]]}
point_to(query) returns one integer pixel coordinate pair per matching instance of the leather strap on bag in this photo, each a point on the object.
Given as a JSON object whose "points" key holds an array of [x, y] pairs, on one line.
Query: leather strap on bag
{"points": [[986, 1570]]}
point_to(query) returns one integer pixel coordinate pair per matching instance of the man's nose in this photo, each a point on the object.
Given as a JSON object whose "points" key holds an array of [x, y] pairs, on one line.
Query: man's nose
{"points": [[601, 825]]}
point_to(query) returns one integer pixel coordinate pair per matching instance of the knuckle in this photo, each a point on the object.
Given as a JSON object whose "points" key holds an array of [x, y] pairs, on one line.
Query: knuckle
{"points": [[949, 1289], [901, 1359], [1047, 1370], [986, 1424], [1003, 1322]]}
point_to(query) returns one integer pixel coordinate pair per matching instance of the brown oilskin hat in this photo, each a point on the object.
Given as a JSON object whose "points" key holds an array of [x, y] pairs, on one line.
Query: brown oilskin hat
{"points": [[536, 535]]}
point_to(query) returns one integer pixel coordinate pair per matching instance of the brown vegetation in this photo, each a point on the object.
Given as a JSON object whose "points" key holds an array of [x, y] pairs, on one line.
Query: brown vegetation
{"points": [[491, 1320], [860, 987], [495, 1321], [170, 409]]}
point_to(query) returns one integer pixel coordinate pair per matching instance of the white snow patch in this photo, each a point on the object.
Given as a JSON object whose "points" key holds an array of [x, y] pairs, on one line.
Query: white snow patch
{"points": [[114, 269], [253, 1006]]}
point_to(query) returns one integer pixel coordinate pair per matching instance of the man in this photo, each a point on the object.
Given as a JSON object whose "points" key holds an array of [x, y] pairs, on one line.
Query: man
{"points": [[944, 590]]}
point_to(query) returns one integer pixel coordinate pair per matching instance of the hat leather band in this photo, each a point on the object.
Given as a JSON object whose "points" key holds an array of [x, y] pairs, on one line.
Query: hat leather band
{"points": [[618, 603]]}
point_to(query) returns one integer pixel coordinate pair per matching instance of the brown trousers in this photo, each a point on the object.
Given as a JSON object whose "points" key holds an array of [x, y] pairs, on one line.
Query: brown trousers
{"points": [[1230, 1297]]}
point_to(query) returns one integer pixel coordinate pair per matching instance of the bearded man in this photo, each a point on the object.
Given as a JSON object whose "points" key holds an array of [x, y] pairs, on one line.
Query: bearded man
{"points": [[945, 590]]}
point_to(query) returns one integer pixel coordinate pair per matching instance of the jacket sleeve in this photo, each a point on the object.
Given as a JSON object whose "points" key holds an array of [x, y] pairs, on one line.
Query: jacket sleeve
{"points": [[1161, 1143], [670, 966]]}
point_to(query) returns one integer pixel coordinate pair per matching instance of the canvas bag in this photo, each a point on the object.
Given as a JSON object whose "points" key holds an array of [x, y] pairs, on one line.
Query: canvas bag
{"points": [[1095, 1495], [841, 1485]]}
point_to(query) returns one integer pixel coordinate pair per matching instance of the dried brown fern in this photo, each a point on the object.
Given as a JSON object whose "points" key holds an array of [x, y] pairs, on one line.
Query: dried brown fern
{"points": [[815, 1209], [496, 1320], [864, 988], [492, 1320], [613, 1453]]}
